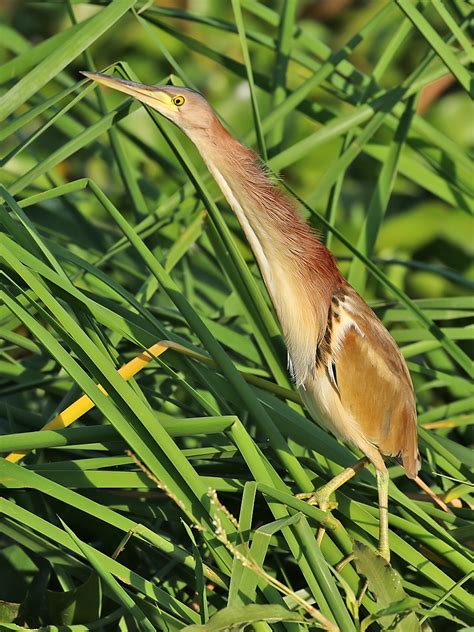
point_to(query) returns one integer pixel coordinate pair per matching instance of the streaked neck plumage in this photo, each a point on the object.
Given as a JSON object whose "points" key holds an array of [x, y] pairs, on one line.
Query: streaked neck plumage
{"points": [[299, 272]]}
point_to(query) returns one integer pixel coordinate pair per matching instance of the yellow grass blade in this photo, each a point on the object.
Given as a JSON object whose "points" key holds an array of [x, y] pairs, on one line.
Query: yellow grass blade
{"points": [[82, 405]]}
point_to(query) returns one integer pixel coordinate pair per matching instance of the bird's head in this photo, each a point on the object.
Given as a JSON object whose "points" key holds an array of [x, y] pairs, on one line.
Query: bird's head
{"points": [[186, 108]]}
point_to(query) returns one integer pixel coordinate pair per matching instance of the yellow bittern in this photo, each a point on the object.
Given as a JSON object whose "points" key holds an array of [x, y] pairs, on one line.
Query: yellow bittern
{"points": [[349, 371]]}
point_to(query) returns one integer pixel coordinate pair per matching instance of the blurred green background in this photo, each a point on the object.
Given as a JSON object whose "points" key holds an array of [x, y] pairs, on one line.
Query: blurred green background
{"points": [[70, 152], [418, 226]]}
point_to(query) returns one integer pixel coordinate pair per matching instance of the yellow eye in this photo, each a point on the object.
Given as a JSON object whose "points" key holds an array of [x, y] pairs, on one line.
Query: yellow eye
{"points": [[179, 100]]}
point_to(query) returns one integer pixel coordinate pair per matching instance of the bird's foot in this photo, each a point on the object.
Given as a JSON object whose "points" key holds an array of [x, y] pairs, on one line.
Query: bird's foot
{"points": [[316, 498], [384, 552], [320, 498], [344, 562]]}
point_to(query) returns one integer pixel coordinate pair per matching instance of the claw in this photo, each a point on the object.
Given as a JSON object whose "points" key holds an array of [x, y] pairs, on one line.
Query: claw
{"points": [[313, 498], [323, 502]]}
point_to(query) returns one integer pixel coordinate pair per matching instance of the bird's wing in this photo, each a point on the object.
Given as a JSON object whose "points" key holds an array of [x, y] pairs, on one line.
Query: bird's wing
{"points": [[372, 379]]}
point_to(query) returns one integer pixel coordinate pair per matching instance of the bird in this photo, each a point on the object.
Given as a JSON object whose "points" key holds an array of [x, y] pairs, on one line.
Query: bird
{"points": [[346, 366]]}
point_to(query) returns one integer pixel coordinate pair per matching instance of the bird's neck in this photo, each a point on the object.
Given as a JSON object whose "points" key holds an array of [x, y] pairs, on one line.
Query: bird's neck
{"points": [[298, 270], [269, 218]]}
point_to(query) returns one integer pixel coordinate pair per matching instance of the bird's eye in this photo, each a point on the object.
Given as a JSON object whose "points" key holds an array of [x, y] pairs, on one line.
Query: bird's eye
{"points": [[179, 100]]}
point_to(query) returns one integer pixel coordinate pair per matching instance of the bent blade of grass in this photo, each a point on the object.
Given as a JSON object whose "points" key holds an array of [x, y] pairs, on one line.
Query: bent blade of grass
{"points": [[265, 475], [105, 434], [254, 573], [257, 553]]}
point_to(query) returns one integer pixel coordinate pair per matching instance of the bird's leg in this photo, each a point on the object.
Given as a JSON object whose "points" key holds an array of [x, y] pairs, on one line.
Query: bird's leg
{"points": [[321, 496], [382, 486]]}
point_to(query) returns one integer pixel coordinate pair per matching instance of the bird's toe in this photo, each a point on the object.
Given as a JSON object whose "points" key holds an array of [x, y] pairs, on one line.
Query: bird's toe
{"points": [[317, 499]]}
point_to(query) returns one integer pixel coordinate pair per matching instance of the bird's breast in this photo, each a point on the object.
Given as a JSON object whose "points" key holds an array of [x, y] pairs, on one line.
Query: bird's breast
{"points": [[303, 318]]}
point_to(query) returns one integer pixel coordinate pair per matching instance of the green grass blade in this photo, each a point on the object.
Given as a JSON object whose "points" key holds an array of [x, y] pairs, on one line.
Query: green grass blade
{"points": [[120, 595], [436, 43], [380, 199], [62, 55], [285, 34], [245, 52]]}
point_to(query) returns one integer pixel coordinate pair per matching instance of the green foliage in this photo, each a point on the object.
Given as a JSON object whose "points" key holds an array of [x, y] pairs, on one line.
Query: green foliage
{"points": [[79, 605], [395, 608], [239, 618], [114, 237]]}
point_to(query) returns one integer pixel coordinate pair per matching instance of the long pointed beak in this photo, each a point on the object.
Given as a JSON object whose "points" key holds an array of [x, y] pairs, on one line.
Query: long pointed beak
{"points": [[155, 96]]}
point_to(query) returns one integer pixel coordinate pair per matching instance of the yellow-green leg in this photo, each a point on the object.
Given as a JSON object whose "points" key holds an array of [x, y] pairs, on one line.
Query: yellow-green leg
{"points": [[321, 496], [382, 486]]}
